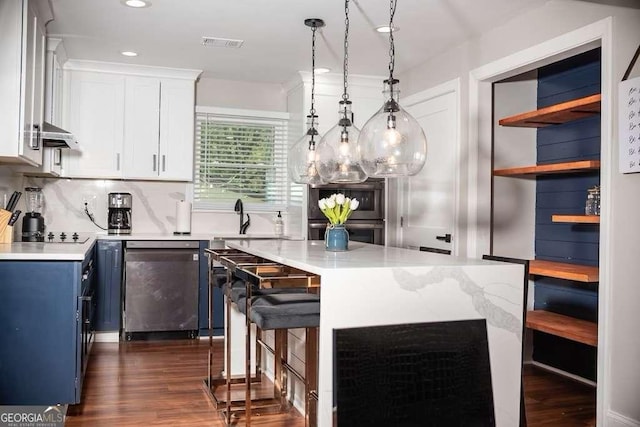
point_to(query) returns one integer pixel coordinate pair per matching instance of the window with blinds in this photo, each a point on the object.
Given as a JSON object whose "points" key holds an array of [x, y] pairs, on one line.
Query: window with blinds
{"points": [[240, 155]]}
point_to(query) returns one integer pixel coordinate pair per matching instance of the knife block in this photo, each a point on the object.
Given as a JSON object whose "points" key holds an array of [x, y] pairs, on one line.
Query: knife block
{"points": [[7, 235], [6, 231]]}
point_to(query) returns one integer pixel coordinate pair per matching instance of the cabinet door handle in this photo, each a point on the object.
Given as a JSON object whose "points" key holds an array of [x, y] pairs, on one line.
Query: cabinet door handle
{"points": [[34, 144], [155, 157], [164, 163], [446, 238], [117, 161], [57, 157]]}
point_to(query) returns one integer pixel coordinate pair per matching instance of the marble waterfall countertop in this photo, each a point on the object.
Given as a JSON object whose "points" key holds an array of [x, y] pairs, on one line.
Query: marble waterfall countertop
{"points": [[373, 285]]}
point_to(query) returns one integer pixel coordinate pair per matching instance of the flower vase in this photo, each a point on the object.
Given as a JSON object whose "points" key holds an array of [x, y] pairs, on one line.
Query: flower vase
{"points": [[336, 238]]}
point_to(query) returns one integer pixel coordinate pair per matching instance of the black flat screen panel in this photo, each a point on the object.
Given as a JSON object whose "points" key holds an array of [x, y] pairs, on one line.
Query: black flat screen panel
{"points": [[424, 374]]}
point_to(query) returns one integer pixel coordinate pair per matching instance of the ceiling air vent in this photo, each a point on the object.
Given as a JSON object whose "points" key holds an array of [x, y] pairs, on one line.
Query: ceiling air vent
{"points": [[219, 42]]}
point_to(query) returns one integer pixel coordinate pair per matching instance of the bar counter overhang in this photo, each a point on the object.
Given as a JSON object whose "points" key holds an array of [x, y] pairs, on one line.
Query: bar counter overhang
{"points": [[372, 285]]}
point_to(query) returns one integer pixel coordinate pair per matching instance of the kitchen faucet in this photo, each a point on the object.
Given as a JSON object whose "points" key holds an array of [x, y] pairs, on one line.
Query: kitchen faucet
{"points": [[239, 208]]}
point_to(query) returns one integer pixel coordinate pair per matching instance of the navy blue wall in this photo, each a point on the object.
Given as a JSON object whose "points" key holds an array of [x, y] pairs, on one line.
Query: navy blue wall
{"points": [[566, 194]]}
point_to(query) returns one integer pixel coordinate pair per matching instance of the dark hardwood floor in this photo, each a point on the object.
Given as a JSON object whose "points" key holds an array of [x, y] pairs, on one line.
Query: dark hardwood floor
{"points": [[553, 400], [159, 383]]}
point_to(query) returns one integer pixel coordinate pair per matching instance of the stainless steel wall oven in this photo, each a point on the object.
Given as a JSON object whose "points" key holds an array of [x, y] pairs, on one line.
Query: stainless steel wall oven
{"points": [[366, 224]]}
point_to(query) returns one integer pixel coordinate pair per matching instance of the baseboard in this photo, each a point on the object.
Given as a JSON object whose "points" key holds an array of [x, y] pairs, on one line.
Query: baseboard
{"points": [[106, 337], [614, 419], [215, 337], [561, 372]]}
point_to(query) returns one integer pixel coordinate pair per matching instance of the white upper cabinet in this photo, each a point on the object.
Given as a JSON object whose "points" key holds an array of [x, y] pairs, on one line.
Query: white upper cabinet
{"points": [[130, 122], [159, 122], [95, 115], [22, 47], [142, 127], [177, 123]]}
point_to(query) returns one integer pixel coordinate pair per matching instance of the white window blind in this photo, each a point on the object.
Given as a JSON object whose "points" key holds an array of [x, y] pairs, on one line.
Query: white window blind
{"points": [[241, 155]]}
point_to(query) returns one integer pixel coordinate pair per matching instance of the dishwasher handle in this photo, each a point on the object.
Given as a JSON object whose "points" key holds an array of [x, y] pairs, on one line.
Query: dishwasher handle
{"points": [[163, 244], [161, 255]]}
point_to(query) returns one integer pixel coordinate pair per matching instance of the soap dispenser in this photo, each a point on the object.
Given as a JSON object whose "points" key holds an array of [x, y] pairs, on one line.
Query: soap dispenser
{"points": [[279, 225]]}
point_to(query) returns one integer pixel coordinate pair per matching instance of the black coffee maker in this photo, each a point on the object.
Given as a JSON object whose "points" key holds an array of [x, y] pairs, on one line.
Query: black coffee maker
{"points": [[33, 221], [119, 215]]}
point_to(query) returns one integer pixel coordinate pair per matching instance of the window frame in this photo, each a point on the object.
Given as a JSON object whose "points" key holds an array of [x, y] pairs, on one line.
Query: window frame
{"points": [[248, 117]]}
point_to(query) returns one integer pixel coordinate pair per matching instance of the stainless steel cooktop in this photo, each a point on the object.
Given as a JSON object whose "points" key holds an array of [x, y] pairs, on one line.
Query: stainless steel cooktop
{"points": [[65, 237]]}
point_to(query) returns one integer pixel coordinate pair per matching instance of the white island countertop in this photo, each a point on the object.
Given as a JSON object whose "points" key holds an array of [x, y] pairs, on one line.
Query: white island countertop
{"points": [[311, 255], [371, 285]]}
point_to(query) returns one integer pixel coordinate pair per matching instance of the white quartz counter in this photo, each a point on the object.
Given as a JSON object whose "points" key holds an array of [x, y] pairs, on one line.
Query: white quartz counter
{"points": [[38, 251], [153, 236], [77, 251]]}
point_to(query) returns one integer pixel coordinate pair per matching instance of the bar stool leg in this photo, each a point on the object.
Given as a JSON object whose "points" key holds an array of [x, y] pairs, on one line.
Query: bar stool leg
{"points": [[311, 377], [247, 401], [282, 359], [227, 341]]}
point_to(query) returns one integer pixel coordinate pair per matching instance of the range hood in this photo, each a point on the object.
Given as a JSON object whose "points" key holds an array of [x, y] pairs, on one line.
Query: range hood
{"points": [[53, 136]]}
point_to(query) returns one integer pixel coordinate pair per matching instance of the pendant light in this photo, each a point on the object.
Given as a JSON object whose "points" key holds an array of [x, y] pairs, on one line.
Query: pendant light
{"points": [[392, 143], [303, 154], [338, 151]]}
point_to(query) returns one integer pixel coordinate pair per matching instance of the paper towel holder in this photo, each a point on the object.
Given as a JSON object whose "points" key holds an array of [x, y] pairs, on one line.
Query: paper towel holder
{"points": [[180, 210]]}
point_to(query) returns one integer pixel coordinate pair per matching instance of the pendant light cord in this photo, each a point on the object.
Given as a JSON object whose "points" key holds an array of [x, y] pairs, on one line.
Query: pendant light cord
{"points": [[345, 67], [313, 72], [312, 111], [392, 48]]}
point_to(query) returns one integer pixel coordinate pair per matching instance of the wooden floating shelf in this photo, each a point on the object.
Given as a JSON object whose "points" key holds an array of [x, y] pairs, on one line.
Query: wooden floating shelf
{"points": [[579, 219], [563, 326], [549, 169], [563, 270], [556, 114]]}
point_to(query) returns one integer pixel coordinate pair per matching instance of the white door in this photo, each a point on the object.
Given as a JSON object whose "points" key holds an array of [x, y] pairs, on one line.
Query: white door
{"points": [[427, 201]]}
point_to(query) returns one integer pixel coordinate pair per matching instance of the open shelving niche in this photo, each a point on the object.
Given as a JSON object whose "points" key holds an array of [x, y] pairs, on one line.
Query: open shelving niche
{"points": [[545, 321]]}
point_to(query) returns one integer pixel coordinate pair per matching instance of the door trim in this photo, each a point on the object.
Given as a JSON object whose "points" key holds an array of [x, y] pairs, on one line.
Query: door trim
{"points": [[451, 86], [597, 34]]}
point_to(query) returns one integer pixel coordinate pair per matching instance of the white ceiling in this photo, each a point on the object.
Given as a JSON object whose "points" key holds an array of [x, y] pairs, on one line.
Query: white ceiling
{"points": [[277, 44]]}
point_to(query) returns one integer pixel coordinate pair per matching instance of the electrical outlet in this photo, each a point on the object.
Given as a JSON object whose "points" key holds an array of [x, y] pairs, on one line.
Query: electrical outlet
{"points": [[89, 200]]}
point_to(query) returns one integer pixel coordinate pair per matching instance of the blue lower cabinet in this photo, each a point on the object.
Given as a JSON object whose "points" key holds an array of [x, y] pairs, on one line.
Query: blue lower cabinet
{"points": [[109, 285], [46, 330]]}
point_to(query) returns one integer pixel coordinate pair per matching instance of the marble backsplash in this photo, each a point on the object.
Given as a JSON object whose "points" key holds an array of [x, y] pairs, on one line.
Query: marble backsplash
{"points": [[154, 206]]}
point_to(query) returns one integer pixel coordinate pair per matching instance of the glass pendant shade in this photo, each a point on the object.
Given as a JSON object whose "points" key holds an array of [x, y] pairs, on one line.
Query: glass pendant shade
{"points": [[303, 156], [338, 152], [392, 143]]}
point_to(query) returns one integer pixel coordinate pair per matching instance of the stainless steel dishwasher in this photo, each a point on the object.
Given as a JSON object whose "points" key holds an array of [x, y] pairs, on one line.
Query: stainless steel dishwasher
{"points": [[160, 289]]}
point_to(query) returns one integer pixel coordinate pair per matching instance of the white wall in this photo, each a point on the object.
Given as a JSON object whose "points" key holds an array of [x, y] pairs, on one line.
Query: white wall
{"points": [[514, 199], [236, 94], [620, 388]]}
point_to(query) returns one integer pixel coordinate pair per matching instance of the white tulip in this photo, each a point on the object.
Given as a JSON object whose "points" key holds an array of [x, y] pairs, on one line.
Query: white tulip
{"points": [[340, 199], [322, 204], [331, 203], [354, 204]]}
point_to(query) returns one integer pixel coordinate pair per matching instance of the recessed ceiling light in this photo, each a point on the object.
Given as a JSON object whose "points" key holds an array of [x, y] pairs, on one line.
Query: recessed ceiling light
{"points": [[136, 3], [386, 29], [322, 70], [129, 53]]}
